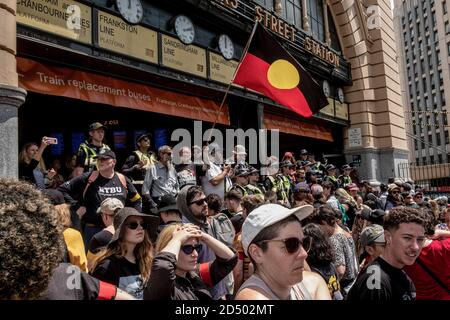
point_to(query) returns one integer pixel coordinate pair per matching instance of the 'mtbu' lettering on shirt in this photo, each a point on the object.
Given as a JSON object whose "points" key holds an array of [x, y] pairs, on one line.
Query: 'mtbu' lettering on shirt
{"points": [[110, 190]]}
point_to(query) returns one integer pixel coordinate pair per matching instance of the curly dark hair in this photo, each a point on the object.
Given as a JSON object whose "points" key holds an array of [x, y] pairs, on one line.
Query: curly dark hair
{"points": [[324, 213], [192, 193], [31, 240], [214, 202], [320, 251], [399, 215]]}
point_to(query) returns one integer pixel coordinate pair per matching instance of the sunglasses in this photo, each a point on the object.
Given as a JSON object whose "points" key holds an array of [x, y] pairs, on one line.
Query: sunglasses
{"points": [[293, 244], [189, 248], [199, 202], [133, 225]]}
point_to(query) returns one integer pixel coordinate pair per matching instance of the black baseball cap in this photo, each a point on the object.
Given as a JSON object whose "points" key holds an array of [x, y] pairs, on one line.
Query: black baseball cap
{"points": [[96, 125], [105, 153], [142, 136]]}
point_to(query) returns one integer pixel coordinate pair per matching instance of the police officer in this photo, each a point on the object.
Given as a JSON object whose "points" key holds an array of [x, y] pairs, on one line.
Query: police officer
{"points": [[344, 178], [284, 183], [331, 176], [241, 173], [88, 150], [139, 161], [253, 186]]}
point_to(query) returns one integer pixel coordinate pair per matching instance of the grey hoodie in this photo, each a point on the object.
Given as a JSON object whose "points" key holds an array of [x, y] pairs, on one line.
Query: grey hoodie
{"points": [[187, 215]]}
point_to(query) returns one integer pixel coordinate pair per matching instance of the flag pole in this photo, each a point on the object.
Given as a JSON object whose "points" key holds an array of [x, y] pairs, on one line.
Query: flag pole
{"points": [[232, 79]]}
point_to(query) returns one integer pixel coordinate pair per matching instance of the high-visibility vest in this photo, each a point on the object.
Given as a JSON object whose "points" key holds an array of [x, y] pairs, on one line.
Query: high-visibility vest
{"points": [[89, 161], [253, 189]]}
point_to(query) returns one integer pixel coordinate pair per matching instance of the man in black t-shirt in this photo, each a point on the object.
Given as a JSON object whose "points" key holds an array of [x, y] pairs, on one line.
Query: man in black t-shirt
{"points": [[384, 278], [86, 192]]}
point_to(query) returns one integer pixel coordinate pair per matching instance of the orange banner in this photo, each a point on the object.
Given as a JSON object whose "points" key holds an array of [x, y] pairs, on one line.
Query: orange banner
{"points": [[296, 127], [60, 81]]}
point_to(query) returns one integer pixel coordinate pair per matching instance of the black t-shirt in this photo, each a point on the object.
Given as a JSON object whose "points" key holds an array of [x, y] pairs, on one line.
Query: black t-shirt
{"points": [[99, 241], [189, 174], [328, 273], [121, 273], [98, 191], [68, 282], [382, 282], [26, 170], [237, 220]]}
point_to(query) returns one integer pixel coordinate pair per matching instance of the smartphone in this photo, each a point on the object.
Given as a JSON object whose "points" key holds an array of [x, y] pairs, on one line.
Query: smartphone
{"points": [[52, 140]]}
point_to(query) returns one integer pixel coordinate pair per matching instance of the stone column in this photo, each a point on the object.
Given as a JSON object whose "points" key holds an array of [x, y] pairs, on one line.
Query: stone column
{"points": [[11, 96], [375, 102], [305, 18]]}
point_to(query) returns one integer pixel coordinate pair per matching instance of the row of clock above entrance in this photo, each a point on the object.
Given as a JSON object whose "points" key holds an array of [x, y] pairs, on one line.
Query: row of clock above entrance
{"points": [[132, 11]]}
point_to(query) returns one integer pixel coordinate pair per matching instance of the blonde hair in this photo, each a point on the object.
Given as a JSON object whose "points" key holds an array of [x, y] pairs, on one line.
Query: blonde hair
{"points": [[143, 253], [63, 216], [23, 158], [341, 194], [165, 236]]}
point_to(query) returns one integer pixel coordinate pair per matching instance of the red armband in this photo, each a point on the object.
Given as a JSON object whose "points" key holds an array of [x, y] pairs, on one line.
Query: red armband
{"points": [[205, 274], [106, 291]]}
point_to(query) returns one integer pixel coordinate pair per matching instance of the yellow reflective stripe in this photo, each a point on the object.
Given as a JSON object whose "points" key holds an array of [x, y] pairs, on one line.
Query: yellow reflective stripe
{"points": [[135, 198]]}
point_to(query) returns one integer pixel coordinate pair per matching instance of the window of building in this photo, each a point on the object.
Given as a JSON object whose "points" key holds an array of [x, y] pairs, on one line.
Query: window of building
{"points": [[442, 98], [444, 7], [423, 145], [292, 12], [424, 160], [315, 14], [444, 119], [447, 27], [426, 103], [410, 16], [440, 158], [433, 85], [335, 44], [434, 99], [441, 79], [414, 130], [438, 139], [417, 161], [446, 137], [416, 147], [433, 17], [431, 159]]}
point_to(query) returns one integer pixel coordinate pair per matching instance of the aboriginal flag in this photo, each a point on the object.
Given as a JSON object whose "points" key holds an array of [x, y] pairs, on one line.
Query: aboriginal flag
{"points": [[269, 69]]}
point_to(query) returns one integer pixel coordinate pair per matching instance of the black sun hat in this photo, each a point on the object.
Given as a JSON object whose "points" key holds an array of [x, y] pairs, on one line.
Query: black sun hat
{"points": [[122, 216]]}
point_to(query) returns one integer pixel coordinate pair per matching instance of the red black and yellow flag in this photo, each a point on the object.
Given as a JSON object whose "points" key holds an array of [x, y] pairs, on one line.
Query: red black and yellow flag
{"points": [[269, 69]]}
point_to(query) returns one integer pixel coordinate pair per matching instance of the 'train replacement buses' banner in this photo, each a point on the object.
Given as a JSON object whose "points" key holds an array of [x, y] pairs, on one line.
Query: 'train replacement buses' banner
{"points": [[61, 81]]}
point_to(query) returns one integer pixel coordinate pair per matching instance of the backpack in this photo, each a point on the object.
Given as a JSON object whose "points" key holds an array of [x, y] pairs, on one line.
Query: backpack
{"points": [[94, 175], [222, 229]]}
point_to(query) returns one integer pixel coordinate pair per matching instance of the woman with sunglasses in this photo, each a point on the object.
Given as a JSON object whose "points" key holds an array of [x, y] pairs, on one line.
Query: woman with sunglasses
{"points": [[175, 274], [127, 259], [272, 238]]}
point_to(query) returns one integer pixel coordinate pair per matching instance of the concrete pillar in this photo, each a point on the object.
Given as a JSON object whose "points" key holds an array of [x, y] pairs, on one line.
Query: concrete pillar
{"points": [[11, 96]]}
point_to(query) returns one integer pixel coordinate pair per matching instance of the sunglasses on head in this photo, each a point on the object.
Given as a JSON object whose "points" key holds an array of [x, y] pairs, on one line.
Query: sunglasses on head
{"points": [[293, 244], [199, 202], [133, 225], [189, 248]]}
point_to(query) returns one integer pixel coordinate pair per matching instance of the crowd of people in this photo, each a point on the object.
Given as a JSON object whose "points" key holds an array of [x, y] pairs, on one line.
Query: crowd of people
{"points": [[214, 228]]}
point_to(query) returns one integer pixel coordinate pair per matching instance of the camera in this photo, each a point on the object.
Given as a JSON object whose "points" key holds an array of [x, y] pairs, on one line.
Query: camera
{"points": [[51, 140]]}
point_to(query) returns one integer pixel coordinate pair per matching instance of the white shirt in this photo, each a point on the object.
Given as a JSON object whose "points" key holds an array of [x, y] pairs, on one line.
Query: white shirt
{"points": [[213, 171]]}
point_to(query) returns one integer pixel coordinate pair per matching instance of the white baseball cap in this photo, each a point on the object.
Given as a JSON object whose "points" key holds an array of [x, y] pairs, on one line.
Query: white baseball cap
{"points": [[110, 204], [267, 215]]}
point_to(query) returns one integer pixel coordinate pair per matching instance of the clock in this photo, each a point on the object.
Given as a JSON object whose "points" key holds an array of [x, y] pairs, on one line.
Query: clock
{"points": [[341, 95], [326, 88], [226, 46], [131, 10], [184, 29]]}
